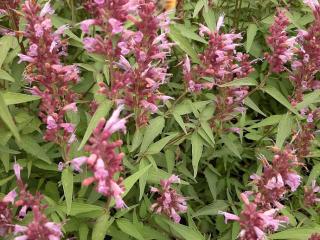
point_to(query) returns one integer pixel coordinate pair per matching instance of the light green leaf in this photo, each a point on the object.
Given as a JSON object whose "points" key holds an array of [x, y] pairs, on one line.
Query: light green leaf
{"points": [[131, 180], [137, 139], [6, 76], [159, 145], [11, 98], [101, 112], [5, 180], [251, 33], [272, 120], [186, 232], [183, 43], [78, 208], [7, 118], [309, 99], [247, 81], [295, 233], [153, 130], [199, 5], [67, 184], [209, 18], [101, 226], [208, 130], [284, 130], [179, 120], [143, 178], [197, 148], [211, 209], [129, 228], [5, 45], [83, 231], [28, 144], [185, 31]]}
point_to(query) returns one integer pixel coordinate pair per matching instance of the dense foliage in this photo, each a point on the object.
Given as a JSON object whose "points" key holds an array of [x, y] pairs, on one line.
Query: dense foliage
{"points": [[142, 119]]}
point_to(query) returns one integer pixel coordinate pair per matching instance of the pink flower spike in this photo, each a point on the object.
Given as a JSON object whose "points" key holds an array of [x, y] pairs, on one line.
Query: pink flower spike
{"points": [[17, 169], [9, 198], [229, 216], [115, 123]]}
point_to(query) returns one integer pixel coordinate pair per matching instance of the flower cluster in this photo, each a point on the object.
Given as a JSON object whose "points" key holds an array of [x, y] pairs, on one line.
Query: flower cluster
{"points": [[51, 80], [135, 83], [255, 222], [315, 236], [39, 228], [278, 177], [169, 201], [221, 63], [6, 213], [310, 194], [104, 161], [282, 46], [302, 52]]}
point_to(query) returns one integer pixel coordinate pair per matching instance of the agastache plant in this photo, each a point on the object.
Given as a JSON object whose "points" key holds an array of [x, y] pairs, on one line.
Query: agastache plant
{"points": [[135, 83], [311, 194], [255, 222], [49, 78], [222, 63], [104, 161], [39, 228], [169, 202]]}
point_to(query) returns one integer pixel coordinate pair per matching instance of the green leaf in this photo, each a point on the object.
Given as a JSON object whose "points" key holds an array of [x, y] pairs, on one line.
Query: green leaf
{"points": [[276, 94], [247, 81], [185, 31], [314, 174], [5, 45], [211, 209], [155, 175], [272, 120], [179, 120], [78, 208], [6, 76], [200, 4], [208, 130], [101, 226], [251, 33], [209, 18], [101, 112], [251, 104], [308, 99], [131, 180], [153, 130], [295, 233], [5, 180], [137, 139], [284, 130], [83, 231], [67, 184], [183, 43], [197, 148], [143, 178], [31, 146], [11, 98], [186, 232], [7, 118], [159, 145], [230, 145], [129, 228]]}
